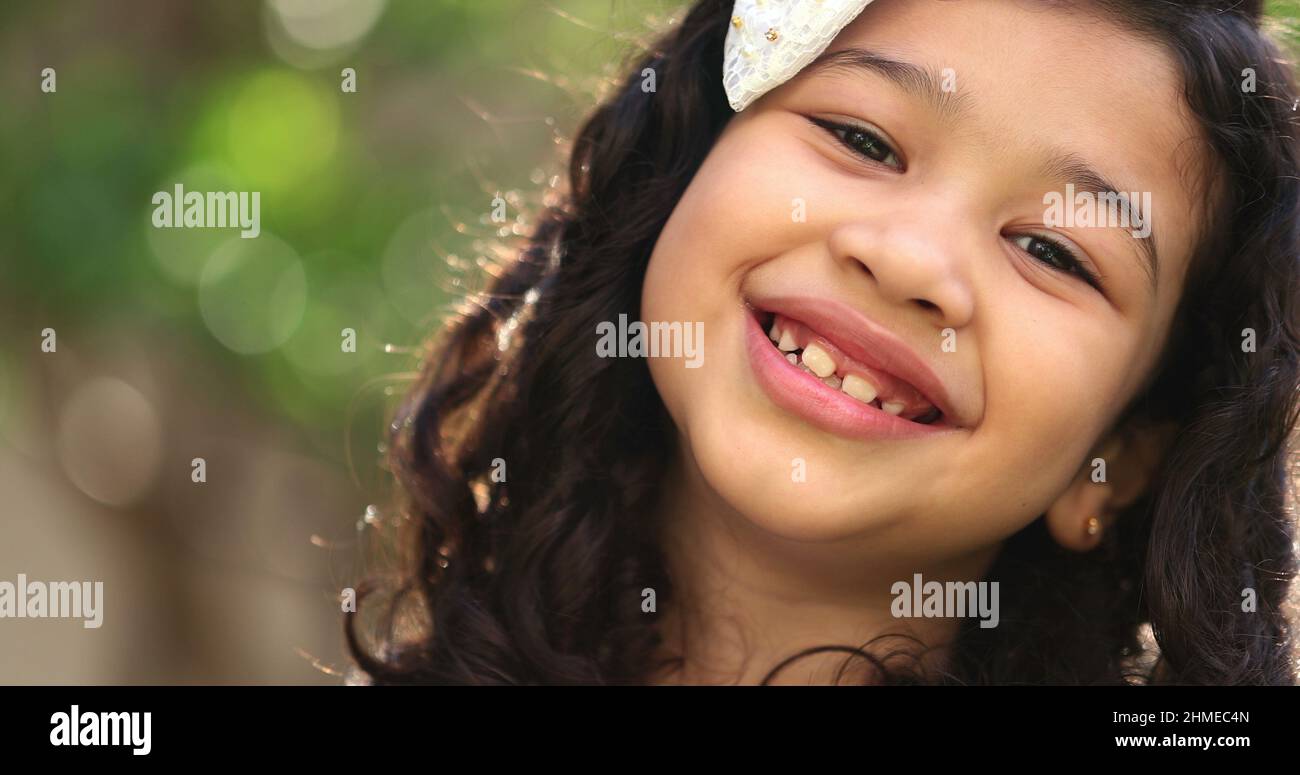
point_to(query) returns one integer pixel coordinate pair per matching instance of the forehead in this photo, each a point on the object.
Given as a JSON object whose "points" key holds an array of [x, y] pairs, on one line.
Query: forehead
{"points": [[1031, 79]]}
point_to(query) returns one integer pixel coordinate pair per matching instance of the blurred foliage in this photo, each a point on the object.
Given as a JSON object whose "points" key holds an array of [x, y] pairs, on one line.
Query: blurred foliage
{"points": [[455, 101]]}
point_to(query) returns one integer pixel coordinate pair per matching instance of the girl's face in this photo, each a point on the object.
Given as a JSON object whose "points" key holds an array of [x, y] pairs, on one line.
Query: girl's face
{"points": [[890, 214]]}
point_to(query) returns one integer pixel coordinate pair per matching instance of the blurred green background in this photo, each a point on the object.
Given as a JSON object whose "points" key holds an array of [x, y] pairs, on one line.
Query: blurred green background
{"points": [[175, 344], [187, 343]]}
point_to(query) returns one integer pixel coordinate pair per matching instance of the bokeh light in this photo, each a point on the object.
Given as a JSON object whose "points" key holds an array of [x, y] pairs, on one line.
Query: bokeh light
{"points": [[253, 293], [282, 128], [414, 270], [351, 301], [314, 33], [110, 441], [182, 253]]}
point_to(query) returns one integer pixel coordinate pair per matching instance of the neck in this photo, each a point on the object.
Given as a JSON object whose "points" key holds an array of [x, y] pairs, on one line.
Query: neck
{"points": [[744, 599]]}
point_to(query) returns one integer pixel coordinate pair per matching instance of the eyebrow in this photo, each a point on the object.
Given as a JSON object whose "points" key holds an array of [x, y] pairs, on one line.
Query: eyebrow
{"points": [[1071, 168], [926, 84]]}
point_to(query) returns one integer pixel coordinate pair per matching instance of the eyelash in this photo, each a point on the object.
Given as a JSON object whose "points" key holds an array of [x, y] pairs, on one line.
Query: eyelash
{"points": [[1072, 263], [874, 139]]}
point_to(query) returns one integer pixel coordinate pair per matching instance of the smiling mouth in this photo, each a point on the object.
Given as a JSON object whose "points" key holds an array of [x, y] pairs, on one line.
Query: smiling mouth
{"points": [[810, 352]]}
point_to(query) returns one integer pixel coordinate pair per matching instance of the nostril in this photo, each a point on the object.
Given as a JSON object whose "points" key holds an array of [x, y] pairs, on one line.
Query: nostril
{"points": [[926, 305]]}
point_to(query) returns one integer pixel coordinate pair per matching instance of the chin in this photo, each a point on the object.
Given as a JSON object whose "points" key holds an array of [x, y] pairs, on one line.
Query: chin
{"points": [[751, 464]]}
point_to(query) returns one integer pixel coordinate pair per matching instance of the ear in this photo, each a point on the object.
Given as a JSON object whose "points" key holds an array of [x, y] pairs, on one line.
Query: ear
{"points": [[1115, 475]]}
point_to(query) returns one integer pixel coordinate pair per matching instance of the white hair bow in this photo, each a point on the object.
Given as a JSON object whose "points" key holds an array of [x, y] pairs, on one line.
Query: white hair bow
{"points": [[771, 40]]}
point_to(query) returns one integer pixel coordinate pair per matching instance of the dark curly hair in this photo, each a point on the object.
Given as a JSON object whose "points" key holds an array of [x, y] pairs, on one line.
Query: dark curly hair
{"points": [[538, 579]]}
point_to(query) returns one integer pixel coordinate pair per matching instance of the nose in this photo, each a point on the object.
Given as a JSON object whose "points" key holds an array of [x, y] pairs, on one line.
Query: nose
{"points": [[912, 259]]}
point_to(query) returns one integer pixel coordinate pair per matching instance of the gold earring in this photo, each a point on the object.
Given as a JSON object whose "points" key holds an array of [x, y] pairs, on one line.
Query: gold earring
{"points": [[1094, 526]]}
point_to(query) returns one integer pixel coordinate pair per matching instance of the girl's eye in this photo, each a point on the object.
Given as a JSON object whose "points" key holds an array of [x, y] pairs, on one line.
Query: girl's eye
{"points": [[862, 141], [1056, 256]]}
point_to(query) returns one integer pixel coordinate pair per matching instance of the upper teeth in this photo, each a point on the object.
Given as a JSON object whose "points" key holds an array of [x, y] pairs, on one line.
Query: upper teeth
{"points": [[816, 360], [787, 343], [859, 388]]}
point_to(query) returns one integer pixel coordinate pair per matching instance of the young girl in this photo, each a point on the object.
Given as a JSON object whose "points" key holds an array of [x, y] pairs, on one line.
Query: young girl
{"points": [[942, 429]]}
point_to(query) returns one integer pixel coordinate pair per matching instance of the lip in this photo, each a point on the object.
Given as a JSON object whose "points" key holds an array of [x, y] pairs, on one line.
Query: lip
{"points": [[862, 340]]}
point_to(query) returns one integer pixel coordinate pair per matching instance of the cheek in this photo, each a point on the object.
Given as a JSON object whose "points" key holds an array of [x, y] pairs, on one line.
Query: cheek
{"points": [[726, 222], [738, 211], [740, 207], [681, 285], [1051, 394]]}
